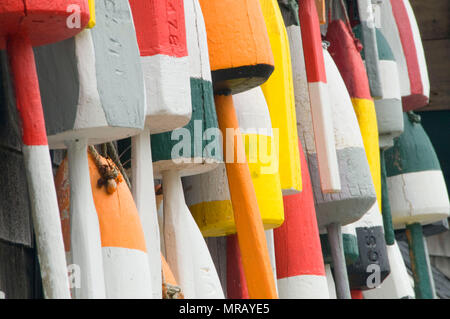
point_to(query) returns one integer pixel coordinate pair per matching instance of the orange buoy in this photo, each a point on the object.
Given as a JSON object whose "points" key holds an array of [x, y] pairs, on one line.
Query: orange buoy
{"points": [[125, 261], [241, 59]]}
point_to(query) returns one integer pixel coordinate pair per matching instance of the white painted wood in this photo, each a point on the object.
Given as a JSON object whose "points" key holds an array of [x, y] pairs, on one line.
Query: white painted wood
{"points": [[372, 218], [304, 287], [186, 250], [46, 221], [390, 31], [144, 196], [389, 107], [209, 187], [271, 249], [84, 225], [168, 92], [330, 282], [419, 197], [89, 112], [252, 112], [390, 79], [397, 284], [317, 99], [199, 66], [345, 123], [127, 275], [2, 295]]}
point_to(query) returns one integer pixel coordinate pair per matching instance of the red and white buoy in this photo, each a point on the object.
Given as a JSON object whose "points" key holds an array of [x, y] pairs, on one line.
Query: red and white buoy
{"points": [[402, 33], [24, 25], [166, 74], [300, 266]]}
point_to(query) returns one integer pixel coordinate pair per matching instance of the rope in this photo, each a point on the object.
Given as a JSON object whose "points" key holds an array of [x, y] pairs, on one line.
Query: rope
{"points": [[109, 175]]}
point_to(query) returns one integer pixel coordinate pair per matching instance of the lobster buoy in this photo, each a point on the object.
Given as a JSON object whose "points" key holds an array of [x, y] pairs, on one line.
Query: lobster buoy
{"points": [[24, 25], [165, 67], [369, 41], [346, 55], [230, 26], [87, 101], [321, 109], [358, 193], [124, 254], [184, 152], [208, 195], [417, 194], [402, 33], [300, 266], [389, 106], [279, 93]]}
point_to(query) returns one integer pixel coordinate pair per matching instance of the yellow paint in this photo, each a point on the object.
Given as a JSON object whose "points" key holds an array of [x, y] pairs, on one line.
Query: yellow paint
{"points": [[279, 93], [367, 119], [217, 219], [92, 22]]}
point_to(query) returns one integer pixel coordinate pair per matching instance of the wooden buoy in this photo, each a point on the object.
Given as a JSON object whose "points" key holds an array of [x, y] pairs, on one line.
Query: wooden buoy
{"points": [[24, 25], [345, 52], [161, 35], [389, 106], [358, 193], [303, 112], [91, 95], [300, 266], [402, 33], [369, 42], [187, 151], [232, 25], [322, 123], [279, 93], [124, 254], [208, 195], [417, 194]]}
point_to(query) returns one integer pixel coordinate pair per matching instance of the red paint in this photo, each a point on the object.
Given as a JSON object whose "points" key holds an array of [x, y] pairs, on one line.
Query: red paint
{"points": [[160, 27], [410, 52], [356, 294], [297, 242], [312, 41], [236, 284], [344, 50], [26, 86], [28, 23], [45, 21]]}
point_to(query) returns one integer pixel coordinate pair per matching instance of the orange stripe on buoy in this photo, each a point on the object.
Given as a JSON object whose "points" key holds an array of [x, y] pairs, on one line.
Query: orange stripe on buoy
{"points": [[120, 225]]}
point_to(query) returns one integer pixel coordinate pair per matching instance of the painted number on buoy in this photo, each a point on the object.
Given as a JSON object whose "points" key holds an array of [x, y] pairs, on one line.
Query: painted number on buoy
{"points": [[374, 279]]}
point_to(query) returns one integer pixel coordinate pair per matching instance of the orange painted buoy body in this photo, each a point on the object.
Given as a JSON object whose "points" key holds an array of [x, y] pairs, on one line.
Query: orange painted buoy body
{"points": [[125, 261]]}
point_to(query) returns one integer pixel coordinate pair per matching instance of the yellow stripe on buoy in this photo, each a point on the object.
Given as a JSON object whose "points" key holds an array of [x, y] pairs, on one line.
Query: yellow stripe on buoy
{"points": [[216, 218], [91, 22], [279, 93], [367, 119]]}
